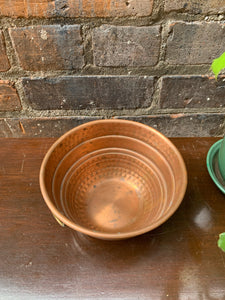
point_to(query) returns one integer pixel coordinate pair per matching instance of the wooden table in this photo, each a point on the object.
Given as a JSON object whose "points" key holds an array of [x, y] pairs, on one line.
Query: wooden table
{"points": [[41, 260]]}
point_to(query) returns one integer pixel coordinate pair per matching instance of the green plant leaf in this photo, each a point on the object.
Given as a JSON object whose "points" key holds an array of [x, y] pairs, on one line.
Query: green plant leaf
{"points": [[218, 64], [221, 241]]}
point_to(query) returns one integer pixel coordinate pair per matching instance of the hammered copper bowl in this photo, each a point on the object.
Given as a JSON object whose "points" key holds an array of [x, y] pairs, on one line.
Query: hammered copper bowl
{"points": [[113, 179]]}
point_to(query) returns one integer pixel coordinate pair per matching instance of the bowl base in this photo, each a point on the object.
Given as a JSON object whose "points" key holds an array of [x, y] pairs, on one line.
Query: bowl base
{"points": [[114, 204]]}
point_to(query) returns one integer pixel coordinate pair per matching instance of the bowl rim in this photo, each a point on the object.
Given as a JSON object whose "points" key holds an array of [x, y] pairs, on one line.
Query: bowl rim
{"points": [[211, 155], [98, 234]]}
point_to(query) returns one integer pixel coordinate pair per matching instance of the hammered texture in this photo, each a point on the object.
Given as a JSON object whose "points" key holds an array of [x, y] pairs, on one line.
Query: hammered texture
{"points": [[127, 170]]}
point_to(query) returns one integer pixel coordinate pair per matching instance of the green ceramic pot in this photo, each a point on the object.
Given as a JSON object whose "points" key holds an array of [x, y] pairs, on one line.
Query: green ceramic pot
{"points": [[216, 164], [221, 158]]}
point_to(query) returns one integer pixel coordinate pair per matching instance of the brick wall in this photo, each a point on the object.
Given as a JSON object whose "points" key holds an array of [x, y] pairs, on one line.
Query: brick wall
{"points": [[66, 62]]}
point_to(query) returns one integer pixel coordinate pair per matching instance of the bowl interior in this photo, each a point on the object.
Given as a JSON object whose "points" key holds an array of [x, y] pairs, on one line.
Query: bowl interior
{"points": [[113, 190], [152, 158]]}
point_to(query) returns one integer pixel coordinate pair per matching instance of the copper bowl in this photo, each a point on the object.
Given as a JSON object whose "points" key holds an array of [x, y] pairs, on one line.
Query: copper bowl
{"points": [[113, 179]]}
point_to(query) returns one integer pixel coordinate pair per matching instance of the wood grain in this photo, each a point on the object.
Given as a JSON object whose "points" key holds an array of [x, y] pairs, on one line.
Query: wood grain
{"points": [[41, 260]]}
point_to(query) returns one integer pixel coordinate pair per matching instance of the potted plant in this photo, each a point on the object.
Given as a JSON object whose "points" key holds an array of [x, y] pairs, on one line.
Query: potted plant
{"points": [[218, 64], [216, 154]]}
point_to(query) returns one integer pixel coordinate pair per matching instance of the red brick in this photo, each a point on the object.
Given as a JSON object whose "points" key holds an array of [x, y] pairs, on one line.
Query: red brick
{"points": [[75, 8], [40, 127], [184, 125], [126, 45], [50, 47], [192, 92], [4, 62], [178, 125], [89, 92], [9, 100], [195, 43], [196, 7], [26, 8], [108, 8]]}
